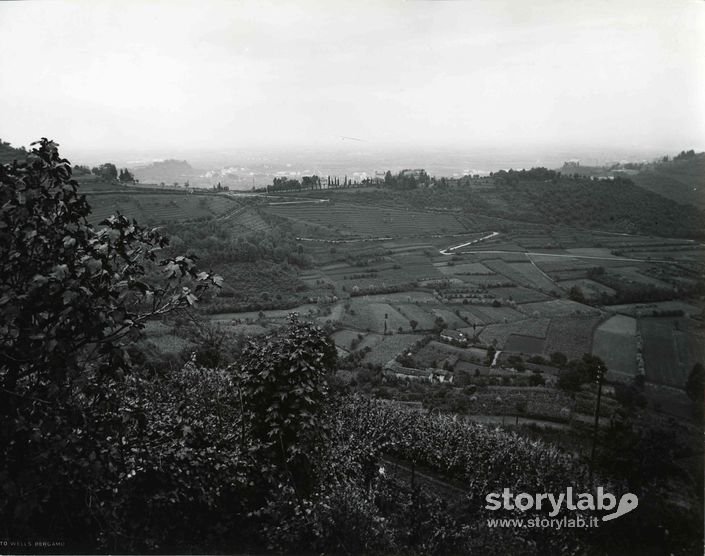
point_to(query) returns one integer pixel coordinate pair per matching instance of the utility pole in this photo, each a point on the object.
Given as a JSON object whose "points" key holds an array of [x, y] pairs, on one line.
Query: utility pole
{"points": [[599, 376]]}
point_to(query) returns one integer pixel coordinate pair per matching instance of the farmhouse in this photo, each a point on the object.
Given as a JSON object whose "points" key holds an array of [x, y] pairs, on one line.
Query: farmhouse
{"points": [[453, 337], [430, 374]]}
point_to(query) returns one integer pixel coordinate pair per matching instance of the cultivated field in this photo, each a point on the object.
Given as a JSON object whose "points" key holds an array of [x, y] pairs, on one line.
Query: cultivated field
{"points": [[375, 317], [498, 334], [572, 336], [671, 349], [590, 289], [160, 207], [386, 348], [367, 221], [615, 343], [557, 308], [389, 266]]}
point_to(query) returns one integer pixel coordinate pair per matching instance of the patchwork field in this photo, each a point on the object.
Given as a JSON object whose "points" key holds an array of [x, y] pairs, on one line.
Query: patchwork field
{"points": [[386, 348], [434, 353], [557, 308], [467, 269], [488, 314], [375, 317], [591, 290], [423, 316], [511, 280], [520, 295], [450, 318]]}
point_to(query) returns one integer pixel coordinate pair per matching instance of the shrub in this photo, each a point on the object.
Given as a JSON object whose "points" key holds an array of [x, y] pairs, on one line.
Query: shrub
{"points": [[283, 381]]}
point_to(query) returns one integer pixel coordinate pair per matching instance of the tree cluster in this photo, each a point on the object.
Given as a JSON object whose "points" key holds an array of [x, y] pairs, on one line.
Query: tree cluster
{"points": [[406, 179], [126, 176], [685, 155], [107, 171], [288, 184]]}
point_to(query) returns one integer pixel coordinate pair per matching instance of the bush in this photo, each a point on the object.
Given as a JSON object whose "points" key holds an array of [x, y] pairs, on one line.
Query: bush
{"points": [[283, 381], [183, 473]]}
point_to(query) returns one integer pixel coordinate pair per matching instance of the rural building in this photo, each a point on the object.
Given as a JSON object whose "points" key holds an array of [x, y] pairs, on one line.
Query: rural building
{"points": [[453, 336], [430, 374], [440, 375]]}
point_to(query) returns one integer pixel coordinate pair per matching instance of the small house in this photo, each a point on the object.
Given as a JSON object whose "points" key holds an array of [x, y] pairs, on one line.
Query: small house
{"points": [[454, 337]]}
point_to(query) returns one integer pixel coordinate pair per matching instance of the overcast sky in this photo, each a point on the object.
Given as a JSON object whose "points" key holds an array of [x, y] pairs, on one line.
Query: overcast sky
{"points": [[201, 75]]}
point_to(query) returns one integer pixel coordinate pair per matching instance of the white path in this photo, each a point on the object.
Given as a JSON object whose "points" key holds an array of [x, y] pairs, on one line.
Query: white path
{"points": [[447, 251]]}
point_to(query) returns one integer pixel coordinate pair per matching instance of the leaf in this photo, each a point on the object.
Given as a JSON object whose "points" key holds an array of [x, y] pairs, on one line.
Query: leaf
{"points": [[69, 296], [60, 271]]}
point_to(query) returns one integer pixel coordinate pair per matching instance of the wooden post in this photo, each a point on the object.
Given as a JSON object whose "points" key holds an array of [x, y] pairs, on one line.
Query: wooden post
{"points": [[600, 374]]}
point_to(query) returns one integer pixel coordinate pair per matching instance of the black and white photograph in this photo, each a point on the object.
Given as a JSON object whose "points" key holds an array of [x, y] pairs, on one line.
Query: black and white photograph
{"points": [[320, 278]]}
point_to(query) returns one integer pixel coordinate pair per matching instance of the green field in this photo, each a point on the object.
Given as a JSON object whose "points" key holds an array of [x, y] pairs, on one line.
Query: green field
{"points": [[557, 308], [354, 220], [615, 342], [670, 349], [572, 336], [386, 348], [590, 289], [498, 334], [375, 317], [420, 313], [524, 344], [159, 208]]}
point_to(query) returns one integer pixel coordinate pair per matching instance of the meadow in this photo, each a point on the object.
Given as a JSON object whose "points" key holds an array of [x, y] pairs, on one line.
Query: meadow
{"points": [[160, 208], [615, 343]]}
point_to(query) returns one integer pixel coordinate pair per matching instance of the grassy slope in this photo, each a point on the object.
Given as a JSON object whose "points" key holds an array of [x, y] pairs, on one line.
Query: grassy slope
{"points": [[682, 181], [615, 206]]}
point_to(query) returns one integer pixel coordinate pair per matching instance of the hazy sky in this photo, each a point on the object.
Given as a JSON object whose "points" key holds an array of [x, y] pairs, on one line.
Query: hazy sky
{"points": [[202, 75]]}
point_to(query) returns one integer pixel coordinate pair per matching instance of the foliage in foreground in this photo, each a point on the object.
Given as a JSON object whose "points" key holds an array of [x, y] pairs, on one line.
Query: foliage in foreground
{"points": [[72, 298]]}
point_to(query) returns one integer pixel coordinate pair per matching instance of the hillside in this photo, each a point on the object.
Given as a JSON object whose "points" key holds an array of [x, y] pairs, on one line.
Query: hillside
{"points": [[544, 197], [681, 180], [167, 171], [617, 205], [157, 207], [8, 153]]}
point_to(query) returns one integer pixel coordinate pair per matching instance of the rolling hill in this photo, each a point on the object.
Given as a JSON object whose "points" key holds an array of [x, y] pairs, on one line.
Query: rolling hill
{"points": [[681, 179], [167, 171]]}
